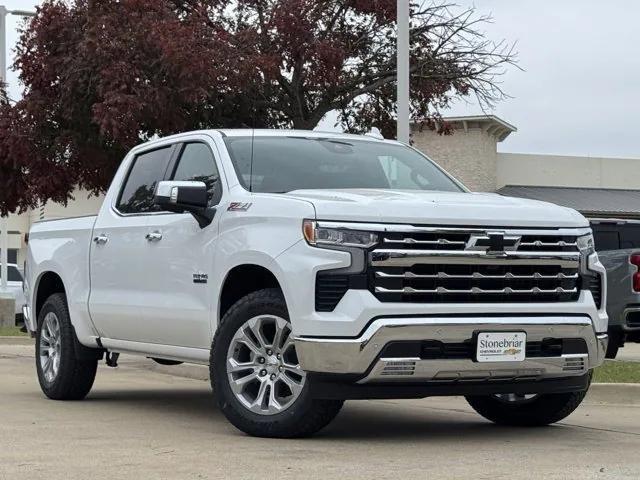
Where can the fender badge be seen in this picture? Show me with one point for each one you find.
(239, 206)
(200, 278)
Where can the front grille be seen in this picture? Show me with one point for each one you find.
(454, 265)
(435, 349)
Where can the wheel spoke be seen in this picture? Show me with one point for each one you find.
(278, 336)
(238, 384)
(256, 328)
(259, 400)
(294, 386)
(273, 401)
(250, 344)
(44, 336)
(235, 366)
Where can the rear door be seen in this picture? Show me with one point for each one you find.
(122, 291)
(179, 258)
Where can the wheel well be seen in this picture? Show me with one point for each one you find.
(243, 280)
(49, 284)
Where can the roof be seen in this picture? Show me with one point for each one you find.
(490, 123)
(247, 132)
(601, 202)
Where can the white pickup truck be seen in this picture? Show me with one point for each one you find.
(309, 268)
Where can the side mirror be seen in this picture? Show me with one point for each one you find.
(182, 196)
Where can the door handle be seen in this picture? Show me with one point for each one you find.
(100, 239)
(155, 236)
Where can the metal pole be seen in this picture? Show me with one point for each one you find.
(4, 223)
(403, 72)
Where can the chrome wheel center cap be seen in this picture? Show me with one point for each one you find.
(272, 364)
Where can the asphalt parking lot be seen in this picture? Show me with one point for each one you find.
(147, 425)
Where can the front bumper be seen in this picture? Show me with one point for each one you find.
(361, 358)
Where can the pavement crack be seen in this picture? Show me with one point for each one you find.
(599, 429)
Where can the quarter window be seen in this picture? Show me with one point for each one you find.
(198, 165)
(148, 169)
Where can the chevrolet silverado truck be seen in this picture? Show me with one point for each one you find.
(618, 245)
(306, 269)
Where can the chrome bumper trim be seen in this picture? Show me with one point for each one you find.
(358, 355)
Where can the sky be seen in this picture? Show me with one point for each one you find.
(579, 93)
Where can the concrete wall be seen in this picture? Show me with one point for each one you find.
(565, 171)
(469, 155)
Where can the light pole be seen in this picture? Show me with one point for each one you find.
(403, 71)
(4, 221)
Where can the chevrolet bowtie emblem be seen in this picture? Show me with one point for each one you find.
(493, 243)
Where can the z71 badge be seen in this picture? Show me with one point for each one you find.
(200, 278)
(239, 206)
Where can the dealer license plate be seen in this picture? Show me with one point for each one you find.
(501, 346)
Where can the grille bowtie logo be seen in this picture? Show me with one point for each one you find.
(493, 242)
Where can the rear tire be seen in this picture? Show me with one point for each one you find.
(61, 375)
(270, 370)
(616, 340)
(538, 411)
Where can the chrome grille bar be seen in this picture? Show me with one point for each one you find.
(413, 241)
(540, 243)
(473, 290)
(479, 276)
(408, 258)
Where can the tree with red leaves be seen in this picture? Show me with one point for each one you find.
(101, 76)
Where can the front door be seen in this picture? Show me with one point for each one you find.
(179, 259)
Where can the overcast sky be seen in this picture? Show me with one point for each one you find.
(580, 91)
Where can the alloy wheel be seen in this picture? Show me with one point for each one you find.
(50, 347)
(262, 366)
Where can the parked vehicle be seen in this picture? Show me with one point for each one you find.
(618, 246)
(14, 284)
(309, 268)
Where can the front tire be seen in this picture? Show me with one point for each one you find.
(255, 375)
(61, 375)
(526, 410)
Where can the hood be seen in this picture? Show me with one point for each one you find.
(437, 208)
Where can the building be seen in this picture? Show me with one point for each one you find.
(598, 187)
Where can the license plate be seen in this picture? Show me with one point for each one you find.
(501, 346)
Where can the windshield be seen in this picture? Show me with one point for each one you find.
(283, 164)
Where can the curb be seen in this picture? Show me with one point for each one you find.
(614, 393)
(16, 341)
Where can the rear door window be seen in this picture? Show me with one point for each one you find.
(148, 169)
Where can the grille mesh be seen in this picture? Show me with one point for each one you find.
(451, 265)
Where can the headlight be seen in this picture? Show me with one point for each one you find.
(586, 245)
(319, 236)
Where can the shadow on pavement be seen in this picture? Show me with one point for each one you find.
(366, 420)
